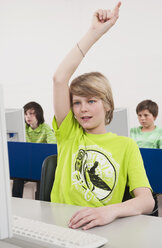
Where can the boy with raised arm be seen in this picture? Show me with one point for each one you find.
(94, 167)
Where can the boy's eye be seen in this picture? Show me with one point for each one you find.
(91, 101)
(76, 103)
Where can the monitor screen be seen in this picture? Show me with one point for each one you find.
(15, 125)
(119, 123)
(5, 194)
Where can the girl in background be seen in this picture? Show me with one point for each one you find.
(37, 131)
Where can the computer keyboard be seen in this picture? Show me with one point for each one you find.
(50, 235)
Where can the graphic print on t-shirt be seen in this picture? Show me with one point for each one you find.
(94, 173)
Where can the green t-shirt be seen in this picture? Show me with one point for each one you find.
(147, 139)
(93, 169)
(42, 134)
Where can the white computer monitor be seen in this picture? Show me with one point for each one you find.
(119, 123)
(15, 125)
(5, 194)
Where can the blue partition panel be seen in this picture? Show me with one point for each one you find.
(25, 159)
(153, 165)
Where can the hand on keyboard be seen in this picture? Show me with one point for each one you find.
(90, 217)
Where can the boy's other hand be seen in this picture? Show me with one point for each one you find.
(91, 217)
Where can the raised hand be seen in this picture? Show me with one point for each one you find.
(103, 20)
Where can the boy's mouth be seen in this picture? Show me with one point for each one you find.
(86, 117)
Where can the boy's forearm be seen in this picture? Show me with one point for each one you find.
(90, 217)
(134, 206)
(75, 56)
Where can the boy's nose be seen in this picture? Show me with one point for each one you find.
(83, 107)
(142, 117)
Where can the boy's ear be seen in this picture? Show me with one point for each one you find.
(107, 108)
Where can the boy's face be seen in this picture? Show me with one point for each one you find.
(90, 113)
(146, 119)
(30, 118)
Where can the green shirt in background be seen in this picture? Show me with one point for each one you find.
(147, 139)
(42, 134)
(94, 169)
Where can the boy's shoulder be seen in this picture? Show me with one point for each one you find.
(135, 129)
(122, 139)
(158, 130)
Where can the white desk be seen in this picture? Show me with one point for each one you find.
(131, 232)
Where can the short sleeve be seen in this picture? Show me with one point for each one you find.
(67, 129)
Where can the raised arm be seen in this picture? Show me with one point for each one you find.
(102, 21)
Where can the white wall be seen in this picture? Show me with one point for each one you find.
(36, 34)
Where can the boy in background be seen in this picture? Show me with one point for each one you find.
(147, 135)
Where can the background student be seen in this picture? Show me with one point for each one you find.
(148, 135)
(93, 166)
(37, 131)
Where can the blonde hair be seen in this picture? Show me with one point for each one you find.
(94, 84)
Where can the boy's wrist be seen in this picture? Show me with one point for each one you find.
(88, 40)
(94, 34)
